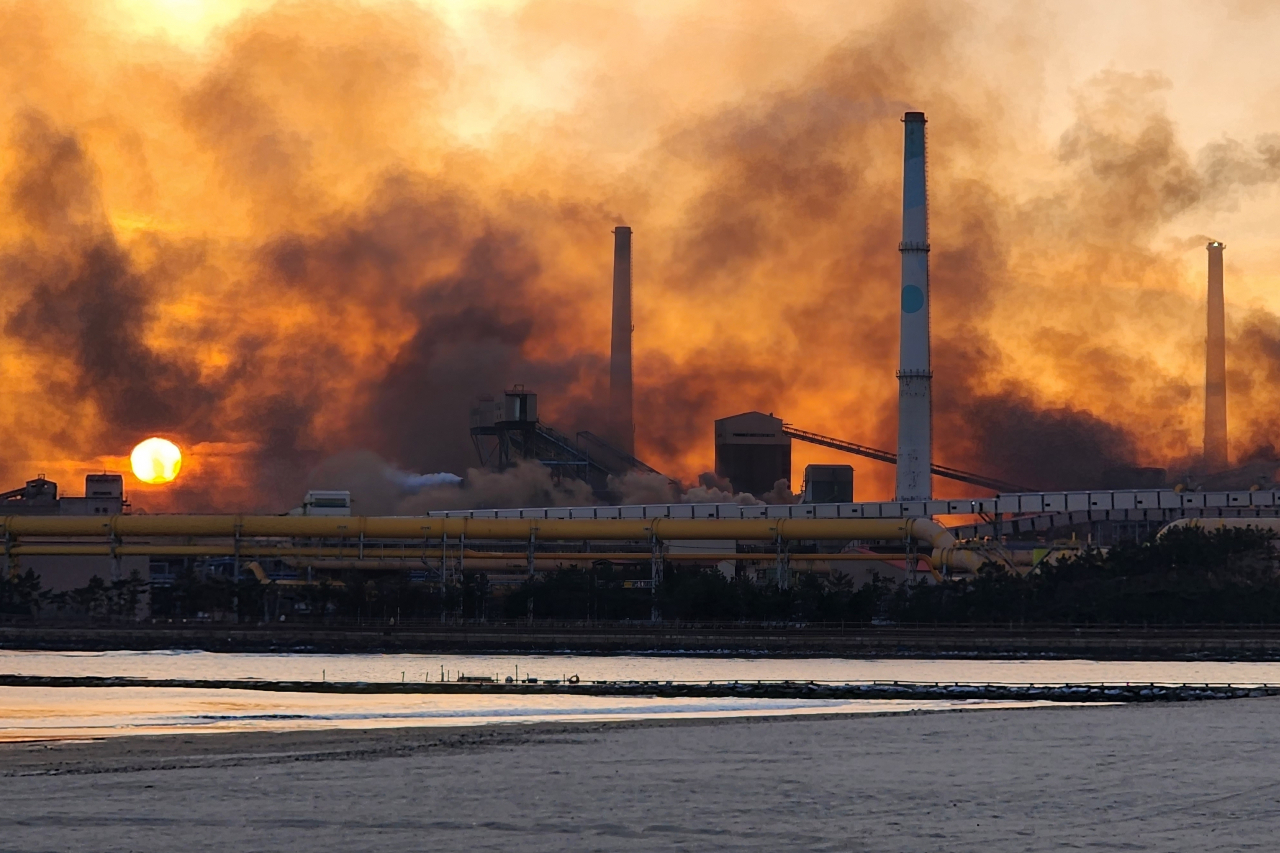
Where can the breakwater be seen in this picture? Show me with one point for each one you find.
(708, 690)
(829, 639)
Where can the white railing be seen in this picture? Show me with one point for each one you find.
(1013, 504)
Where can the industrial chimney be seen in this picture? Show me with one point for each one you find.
(622, 431)
(1215, 369)
(915, 408)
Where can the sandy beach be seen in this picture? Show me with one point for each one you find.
(1170, 777)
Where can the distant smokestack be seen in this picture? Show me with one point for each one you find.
(915, 408)
(1215, 368)
(621, 419)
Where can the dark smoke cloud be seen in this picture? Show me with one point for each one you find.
(1253, 372)
(83, 299)
(527, 484)
(379, 488)
(1061, 448)
(377, 274)
(1230, 165)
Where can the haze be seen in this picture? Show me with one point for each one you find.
(282, 231)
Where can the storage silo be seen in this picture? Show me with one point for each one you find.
(752, 452)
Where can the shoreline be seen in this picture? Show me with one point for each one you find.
(149, 751)
(1180, 777)
(984, 642)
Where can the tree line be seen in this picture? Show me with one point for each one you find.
(1187, 576)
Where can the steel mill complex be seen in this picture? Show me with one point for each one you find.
(755, 525)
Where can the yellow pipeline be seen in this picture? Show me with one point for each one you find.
(375, 554)
(925, 530)
(320, 527)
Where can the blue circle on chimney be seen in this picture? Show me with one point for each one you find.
(912, 299)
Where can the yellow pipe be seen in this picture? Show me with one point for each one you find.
(342, 527)
(258, 572)
(375, 554)
(244, 550)
(946, 552)
(491, 566)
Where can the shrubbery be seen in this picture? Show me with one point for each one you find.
(1188, 576)
(22, 595)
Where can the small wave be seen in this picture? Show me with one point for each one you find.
(221, 718)
(535, 712)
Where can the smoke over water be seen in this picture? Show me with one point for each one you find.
(330, 225)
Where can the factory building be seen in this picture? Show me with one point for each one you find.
(752, 452)
(103, 495)
(828, 484)
(506, 431)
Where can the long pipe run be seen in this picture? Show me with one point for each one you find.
(425, 528)
(946, 551)
(406, 555)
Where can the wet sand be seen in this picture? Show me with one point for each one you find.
(1171, 777)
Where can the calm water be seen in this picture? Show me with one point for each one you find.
(41, 713)
(45, 713)
(352, 667)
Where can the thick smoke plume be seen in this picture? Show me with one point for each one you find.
(379, 488)
(330, 225)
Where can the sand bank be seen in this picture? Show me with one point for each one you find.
(1196, 776)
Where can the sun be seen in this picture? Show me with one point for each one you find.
(156, 460)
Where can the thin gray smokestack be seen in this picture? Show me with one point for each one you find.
(915, 372)
(1215, 368)
(622, 430)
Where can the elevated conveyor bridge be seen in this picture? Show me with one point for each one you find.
(892, 458)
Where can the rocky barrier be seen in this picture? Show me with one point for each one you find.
(715, 689)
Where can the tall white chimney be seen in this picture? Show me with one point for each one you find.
(915, 407)
(1215, 368)
(622, 430)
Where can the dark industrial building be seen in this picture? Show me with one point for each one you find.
(752, 452)
(828, 484)
(103, 495)
(506, 431)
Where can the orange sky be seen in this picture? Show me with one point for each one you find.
(277, 231)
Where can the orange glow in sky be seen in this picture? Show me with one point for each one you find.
(288, 230)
